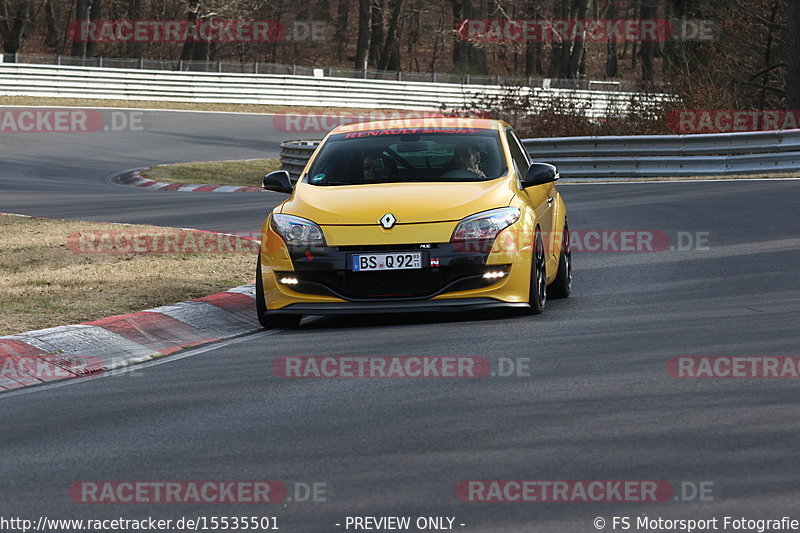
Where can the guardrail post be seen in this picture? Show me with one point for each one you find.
(434, 76)
(141, 63)
(294, 70)
(399, 76)
(256, 68)
(58, 60)
(219, 66)
(100, 61)
(180, 65)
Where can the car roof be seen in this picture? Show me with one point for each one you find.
(423, 122)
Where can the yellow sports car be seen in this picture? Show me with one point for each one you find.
(429, 214)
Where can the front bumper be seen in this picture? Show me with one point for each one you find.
(452, 279)
(446, 268)
(460, 305)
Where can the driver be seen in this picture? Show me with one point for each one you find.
(376, 166)
(468, 157)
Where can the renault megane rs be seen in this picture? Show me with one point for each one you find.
(414, 215)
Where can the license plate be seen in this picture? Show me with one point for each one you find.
(391, 261)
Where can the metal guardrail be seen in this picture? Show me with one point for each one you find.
(295, 155)
(18, 79)
(641, 155)
(259, 67)
(671, 155)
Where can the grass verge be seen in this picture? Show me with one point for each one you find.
(48, 278)
(244, 173)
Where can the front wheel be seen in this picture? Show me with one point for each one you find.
(562, 285)
(538, 287)
(270, 320)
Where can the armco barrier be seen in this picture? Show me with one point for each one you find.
(641, 155)
(20, 79)
(295, 155)
(671, 155)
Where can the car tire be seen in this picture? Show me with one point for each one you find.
(562, 285)
(271, 320)
(537, 296)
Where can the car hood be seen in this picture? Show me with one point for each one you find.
(410, 203)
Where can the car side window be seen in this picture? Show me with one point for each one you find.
(517, 154)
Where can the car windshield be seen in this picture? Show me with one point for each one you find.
(409, 155)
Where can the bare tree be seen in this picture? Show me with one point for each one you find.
(793, 56)
(612, 62)
(13, 21)
(363, 44)
(468, 57)
(649, 47)
(390, 56)
(82, 8)
(342, 12)
(376, 32)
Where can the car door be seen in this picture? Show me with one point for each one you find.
(541, 197)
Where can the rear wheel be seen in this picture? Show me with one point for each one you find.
(562, 285)
(270, 320)
(538, 290)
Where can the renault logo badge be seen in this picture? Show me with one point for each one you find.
(388, 221)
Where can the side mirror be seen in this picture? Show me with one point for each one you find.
(277, 181)
(540, 173)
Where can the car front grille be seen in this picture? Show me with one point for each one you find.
(393, 284)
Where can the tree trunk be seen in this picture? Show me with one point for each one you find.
(612, 62)
(533, 49)
(191, 18)
(649, 48)
(793, 56)
(51, 31)
(362, 46)
(82, 8)
(390, 57)
(13, 25)
(94, 15)
(579, 46)
(376, 32)
(466, 56)
(341, 27)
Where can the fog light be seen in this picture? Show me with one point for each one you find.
(494, 274)
(289, 281)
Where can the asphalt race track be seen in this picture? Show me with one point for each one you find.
(598, 403)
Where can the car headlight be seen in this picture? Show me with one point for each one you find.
(297, 231)
(485, 225)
